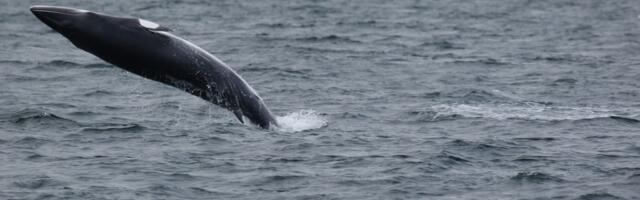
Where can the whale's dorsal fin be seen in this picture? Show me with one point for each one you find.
(238, 114)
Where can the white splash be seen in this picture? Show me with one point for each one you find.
(531, 111)
(300, 121)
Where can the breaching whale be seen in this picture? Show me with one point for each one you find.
(151, 51)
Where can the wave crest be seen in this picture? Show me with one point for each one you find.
(529, 112)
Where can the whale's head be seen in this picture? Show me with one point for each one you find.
(92, 31)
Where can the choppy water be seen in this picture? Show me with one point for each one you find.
(484, 99)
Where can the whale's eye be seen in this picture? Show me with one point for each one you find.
(148, 24)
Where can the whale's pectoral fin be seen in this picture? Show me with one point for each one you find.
(238, 114)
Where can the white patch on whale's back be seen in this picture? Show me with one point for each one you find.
(148, 24)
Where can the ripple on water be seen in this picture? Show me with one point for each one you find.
(329, 38)
(532, 111)
(27, 116)
(111, 127)
(98, 93)
(451, 159)
(281, 182)
(212, 140)
(533, 158)
(634, 177)
(625, 119)
(30, 142)
(62, 63)
(36, 182)
(486, 148)
(182, 192)
(599, 196)
(430, 116)
(536, 139)
(354, 115)
(483, 61)
(15, 62)
(369, 181)
(297, 146)
(53, 66)
(442, 44)
(536, 178)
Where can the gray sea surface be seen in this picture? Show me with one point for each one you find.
(380, 99)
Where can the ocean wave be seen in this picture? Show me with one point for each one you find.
(36, 182)
(482, 146)
(274, 69)
(98, 93)
(442, 44)
(532, 158)
(329, 38)
(482, 61)
(325, 50)
(432, 116)
(541, 139)
(529, 112)
(598, 196)
(284, 25)
(15, 62)
(354, 115)
(369, 181)
(130, 128)
(535, 177)
(281, 182)
(212, 140)
(33, 115)
(62, 63)
(449, 159)
(57, 105)
(30, 142)
(19, 77)
(480, 95)
(54, 65)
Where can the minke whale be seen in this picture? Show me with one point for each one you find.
(147, 49)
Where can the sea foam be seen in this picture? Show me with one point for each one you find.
(300, 121)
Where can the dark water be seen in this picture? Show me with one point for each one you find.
(500, 99)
